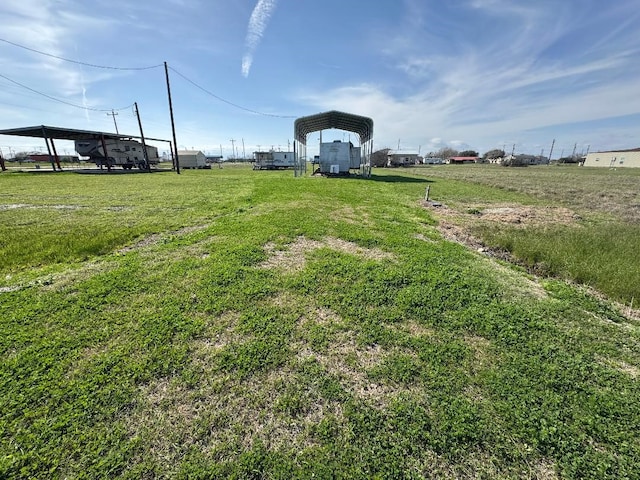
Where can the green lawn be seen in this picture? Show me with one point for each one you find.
(239, 324)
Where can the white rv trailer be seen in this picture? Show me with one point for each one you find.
(337, 158)
(120, 152)
(273, 160)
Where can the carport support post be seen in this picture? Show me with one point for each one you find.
(144, 145)
(46, 140)
(55, 155)
(106, 154)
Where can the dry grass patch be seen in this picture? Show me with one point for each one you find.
(528, 216)
(223, 417)
(632, 370)
(157, 238)
(415, 329)
(219, 333)
(60, 280)
(352, 216)
(292, 256)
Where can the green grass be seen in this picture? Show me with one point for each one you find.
(594, 250)
(240, 324)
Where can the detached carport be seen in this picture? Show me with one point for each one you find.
(59, 133)
(361, 126)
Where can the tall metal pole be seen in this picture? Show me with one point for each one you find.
(244, 154)
(551, 151)
(233, 148)
(113, 114)
(173, 125)
(144, 145)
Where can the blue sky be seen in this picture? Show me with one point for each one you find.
(477, 74)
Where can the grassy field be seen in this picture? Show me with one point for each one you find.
(239, 324)
(581, 224)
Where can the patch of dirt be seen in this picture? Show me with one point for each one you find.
(292, 257)
(13, 288)
(14, 206)
(156, 238)
(526, 216)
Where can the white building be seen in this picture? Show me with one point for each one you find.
(614, 158)
(402, 159)
(192, 159)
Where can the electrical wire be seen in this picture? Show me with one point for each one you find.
(76, 61)
(227, 101)
(64, 101)
(127, 68)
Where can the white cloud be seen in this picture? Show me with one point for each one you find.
(257, 25)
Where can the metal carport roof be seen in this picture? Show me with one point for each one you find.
(362, 126)
(59, 133)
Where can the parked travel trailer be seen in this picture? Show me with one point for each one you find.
(337, 158)
(124, 153)
(273, 160)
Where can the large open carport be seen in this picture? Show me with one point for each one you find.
(361, 126)
(58, 133)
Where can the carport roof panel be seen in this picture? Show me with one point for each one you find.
(59, 133)
(363, 126)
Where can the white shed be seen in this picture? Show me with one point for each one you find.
(192, 159)
(614, 158)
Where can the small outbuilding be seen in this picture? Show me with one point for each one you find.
(614, 158)
(192, 159)
(402, 159)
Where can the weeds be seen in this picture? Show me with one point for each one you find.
(377, 355)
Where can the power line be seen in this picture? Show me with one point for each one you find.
(63, 101)
(129, 68)
(228, 102)
(76, 61)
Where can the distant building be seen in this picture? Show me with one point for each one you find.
(432, 161)
(402, 159)
(192, 159)
(461, 160)
(614, 158)
(45, 158)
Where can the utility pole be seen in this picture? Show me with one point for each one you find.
(233, 148)
(551, 151)
(573, 155)
(113, 114)
(244, 154)
(173, 125)
(144, 145)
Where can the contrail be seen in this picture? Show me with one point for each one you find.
(85, 103)
(257, 25)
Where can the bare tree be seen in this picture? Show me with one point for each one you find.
(446, 152)
(468, 153)
(379, 157)
(493, 154)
